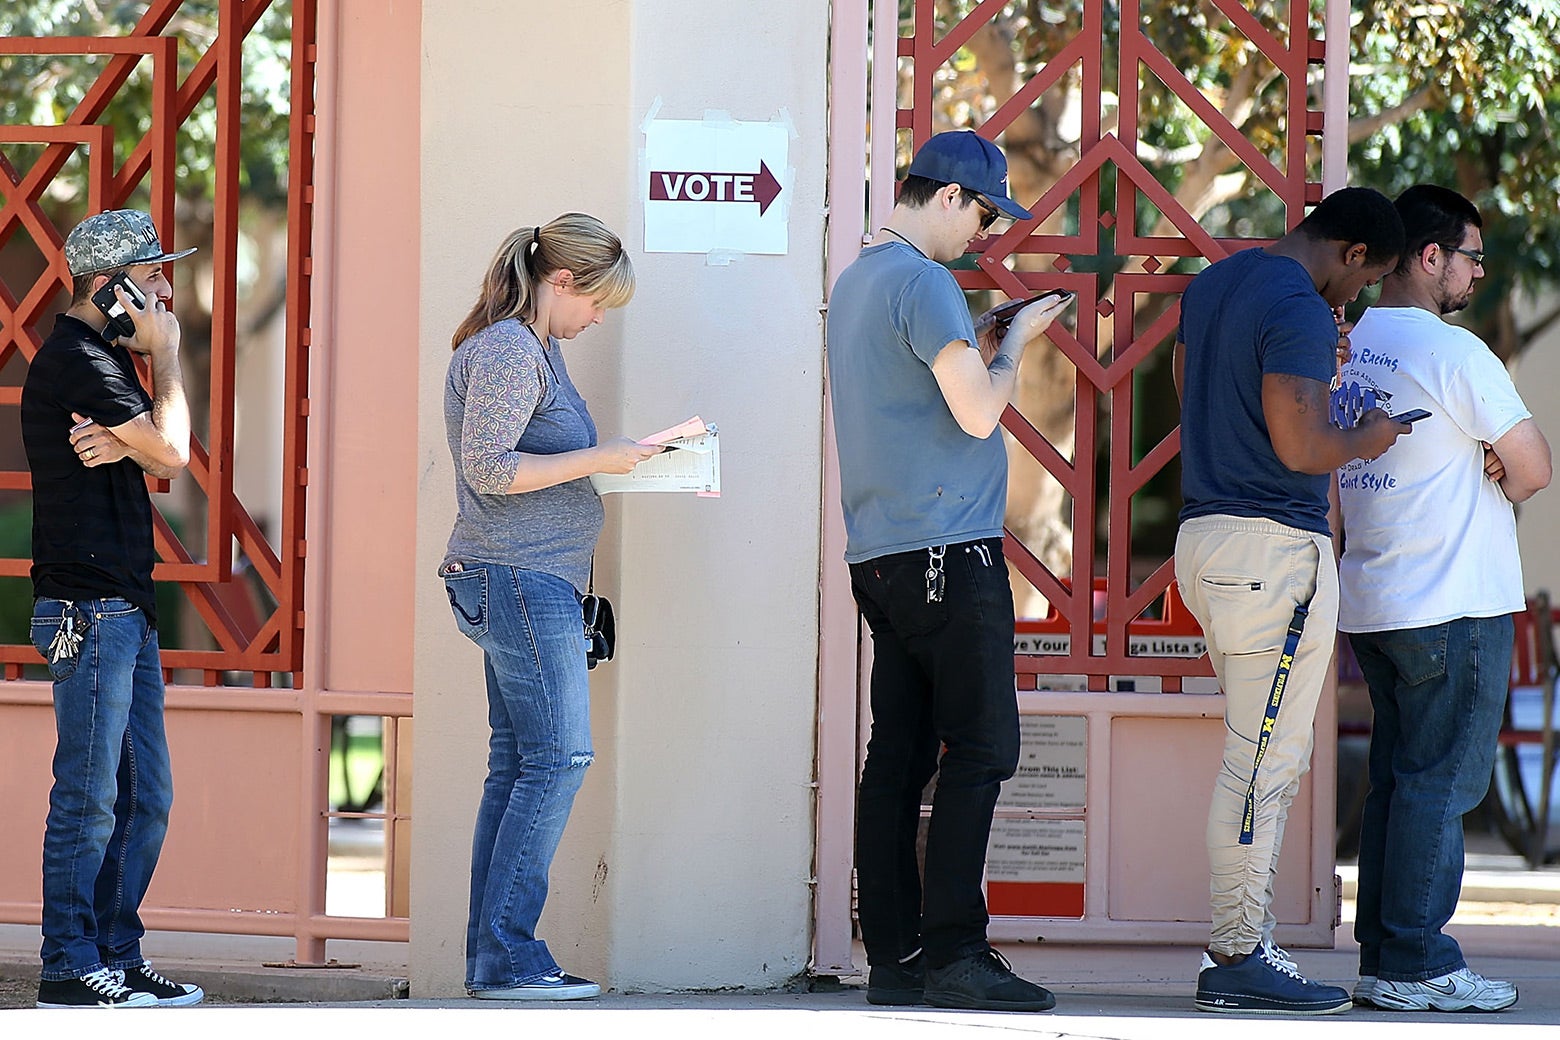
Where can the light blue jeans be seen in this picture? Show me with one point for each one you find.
(1438, 695)
(113, 785)
(529, 627)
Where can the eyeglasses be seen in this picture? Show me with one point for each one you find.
(988, 212)
(1476, 255)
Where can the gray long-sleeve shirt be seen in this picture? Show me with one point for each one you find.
(507, 394)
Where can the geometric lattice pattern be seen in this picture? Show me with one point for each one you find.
(1109, 187)
(255, 621)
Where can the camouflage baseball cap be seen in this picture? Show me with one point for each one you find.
(117, 238)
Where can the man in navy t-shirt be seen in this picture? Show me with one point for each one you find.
(1257, 349)
(92, 433)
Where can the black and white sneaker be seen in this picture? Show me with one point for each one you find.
(556, 985)
(166, 993)
(102, 988)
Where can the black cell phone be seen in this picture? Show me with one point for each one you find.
(1003, 316)
(1411, 417)
(119, 321)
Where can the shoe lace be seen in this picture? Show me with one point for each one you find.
(1265, 951)
(1277, 955)
(995, 963)
(106, 982)
(152, 976)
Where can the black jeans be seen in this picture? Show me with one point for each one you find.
(942, 677)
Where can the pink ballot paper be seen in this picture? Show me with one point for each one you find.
(690, 462)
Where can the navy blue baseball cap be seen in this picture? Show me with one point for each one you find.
(967, 159)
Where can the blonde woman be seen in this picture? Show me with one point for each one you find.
(524, 445)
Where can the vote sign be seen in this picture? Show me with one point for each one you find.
(716, 186)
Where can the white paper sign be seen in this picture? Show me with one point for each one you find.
(1052, 764)
(1036, 850)
(716, 186)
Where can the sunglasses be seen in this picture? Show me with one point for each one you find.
(1476, 255)
(988, 212)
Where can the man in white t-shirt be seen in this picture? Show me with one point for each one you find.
(1429, 580)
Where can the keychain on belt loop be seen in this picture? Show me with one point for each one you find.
(935, 579)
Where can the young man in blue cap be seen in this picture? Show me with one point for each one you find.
(923, 482)
(92, 433)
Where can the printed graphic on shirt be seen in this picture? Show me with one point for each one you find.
(1348, 404)
(1352, 400)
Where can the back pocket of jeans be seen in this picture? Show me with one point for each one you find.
(1418, 654)
(468, 593)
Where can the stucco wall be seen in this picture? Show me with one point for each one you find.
(688, 857)
(1537, 375)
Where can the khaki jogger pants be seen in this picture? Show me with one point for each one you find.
(1242, 578)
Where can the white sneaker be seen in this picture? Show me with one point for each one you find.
(1460, 990)
(1365, 991)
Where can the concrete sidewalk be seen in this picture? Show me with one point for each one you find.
(1508, 924)
(1119, 993)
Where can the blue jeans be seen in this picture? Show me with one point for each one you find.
(1438, 695)
(113, 785)
(942, 680)
(532, 636)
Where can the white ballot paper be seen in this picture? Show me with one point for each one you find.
(690, 462)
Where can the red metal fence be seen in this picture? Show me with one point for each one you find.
(257, 630)
(1109, 187)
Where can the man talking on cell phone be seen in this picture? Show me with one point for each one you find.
(1429, 580)
(91, 432)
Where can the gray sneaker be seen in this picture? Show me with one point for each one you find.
(1365, 991)
(1460, 990)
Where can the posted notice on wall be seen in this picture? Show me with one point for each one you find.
(1052, 764)
(1036, 850)
(716, 186)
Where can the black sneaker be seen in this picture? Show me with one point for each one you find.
(101, 988)
(168, 994)
(984, 982)
(898, 984)
(1256, 986)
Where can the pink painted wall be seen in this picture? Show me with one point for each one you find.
(366, 317)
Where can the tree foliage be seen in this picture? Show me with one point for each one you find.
(46, 89)
(1459, 94)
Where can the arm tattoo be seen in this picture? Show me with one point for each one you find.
(1310, 395)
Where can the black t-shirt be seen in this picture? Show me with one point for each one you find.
(92, 527)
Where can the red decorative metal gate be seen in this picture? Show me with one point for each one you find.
(1119, 119)
(247, 637)
(252, 732)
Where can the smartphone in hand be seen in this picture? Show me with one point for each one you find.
(119, 321)
(1411, 417)
(1002, 317)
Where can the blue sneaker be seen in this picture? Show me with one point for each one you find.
(1255, 985)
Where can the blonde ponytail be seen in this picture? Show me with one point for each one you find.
(576, 242)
